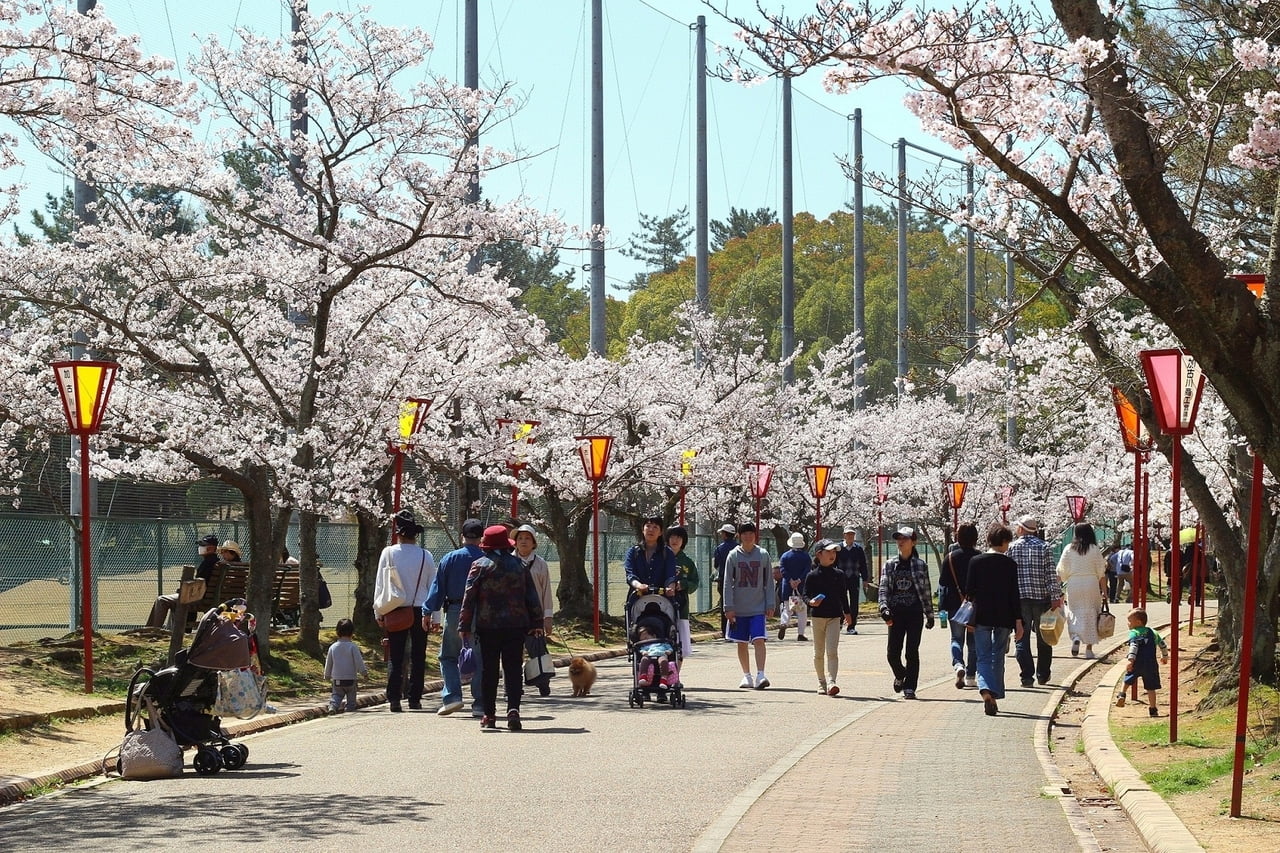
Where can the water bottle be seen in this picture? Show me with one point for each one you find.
(942, 618)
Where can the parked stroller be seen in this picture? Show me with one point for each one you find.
(653, 650)
(180, 698)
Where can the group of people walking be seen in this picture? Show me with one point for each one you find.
(495, 590)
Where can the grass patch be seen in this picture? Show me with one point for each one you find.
(1186, 776)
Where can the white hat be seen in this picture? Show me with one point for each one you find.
(1029, 523)
(904, 532)
(796, 540)
(730, 529)
(525, 528)
(849, 528)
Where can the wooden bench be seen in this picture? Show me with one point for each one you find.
(231, 580)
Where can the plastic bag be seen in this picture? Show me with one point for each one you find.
(963, 614)
(1052, 625)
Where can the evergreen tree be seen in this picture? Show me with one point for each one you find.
(739, 223)
(661, 243)
(545, 289)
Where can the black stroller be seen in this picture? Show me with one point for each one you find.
(659, 612)
(180, 698)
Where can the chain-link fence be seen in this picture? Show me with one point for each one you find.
(133, 561)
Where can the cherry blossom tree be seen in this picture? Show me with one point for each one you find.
(1098, 168)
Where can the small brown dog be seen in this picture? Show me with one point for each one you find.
(582, 674)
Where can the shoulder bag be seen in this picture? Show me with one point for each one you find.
(401, 619)
(964, 613)
(150, 754)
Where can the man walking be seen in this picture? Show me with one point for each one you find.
(446, 594)
(728, 541)
(1038, 590)
(851, 560)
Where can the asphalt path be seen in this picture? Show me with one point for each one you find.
(585, 775)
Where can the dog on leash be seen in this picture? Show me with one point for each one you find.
(582, 674)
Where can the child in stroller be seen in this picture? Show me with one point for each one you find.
(654, 648)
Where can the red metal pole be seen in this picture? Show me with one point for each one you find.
(1136, 544)
(1246, 636)
(1202, 558)
(1146, 536)
(595, 559)
(86, 575)
(880, 545)
(1175, 587)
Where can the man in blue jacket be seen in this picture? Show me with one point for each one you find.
(446, 594)
(728, 541)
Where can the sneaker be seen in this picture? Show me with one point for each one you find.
(449, 708)
(487, 722)
(762, 681)
(822, 687)
(959, 678)
(1028, 682)
(833, 690)
(1120, 701)
(1075, 648)
(802, 639)
(908, 694)
(513, 721)
(1153, 712)
(782, 632)
(851, 630)
(746, 682)
(1042, 679)
(897, 685)
(970, 681)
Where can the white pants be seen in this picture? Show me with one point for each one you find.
(686, 638)
(794, 606)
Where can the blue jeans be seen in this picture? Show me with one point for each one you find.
(990, 643)
(450, 645)
(961, 636)
(1032, 610)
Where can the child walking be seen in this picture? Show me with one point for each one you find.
(1142, 660)
(343, 666)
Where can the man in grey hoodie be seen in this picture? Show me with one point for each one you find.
(749, 599)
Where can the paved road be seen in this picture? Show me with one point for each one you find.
(781, 768)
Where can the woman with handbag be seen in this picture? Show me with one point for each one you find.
(501, 607)
(952, 593)
(405, 572)
(526, 541)
(1083, 572)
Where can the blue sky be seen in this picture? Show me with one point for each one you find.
(542, 47)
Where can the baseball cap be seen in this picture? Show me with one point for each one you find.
(904, 532)
(472, 528)
(729, 528)
(825, 545)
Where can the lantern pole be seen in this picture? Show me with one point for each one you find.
(86, 549)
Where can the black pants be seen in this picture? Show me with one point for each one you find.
(502, 647)
(853, 600)
(416, 639)
(906, 629)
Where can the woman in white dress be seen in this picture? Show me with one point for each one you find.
(1083, 572)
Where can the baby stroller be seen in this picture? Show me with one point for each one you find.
(180, 698)
(656, 610)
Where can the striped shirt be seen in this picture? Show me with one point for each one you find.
(1037, 579)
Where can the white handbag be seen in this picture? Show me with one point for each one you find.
(539, 666)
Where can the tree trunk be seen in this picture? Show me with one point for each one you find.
(262, 562)
(568, 524)
(371, 539)
(309, 584)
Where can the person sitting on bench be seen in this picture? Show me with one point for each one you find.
(164, 604)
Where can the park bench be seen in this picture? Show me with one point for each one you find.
(231, 580)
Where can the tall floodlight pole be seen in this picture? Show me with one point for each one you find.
(298, 124)
(1010, 338)
(1174, 382)
(859, 271)
(701, 251)
(597, 179)
(970, 274)
(788, 239)
(902, 266)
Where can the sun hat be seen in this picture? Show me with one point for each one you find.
(231, 545)
(1029, 523)
(525, 528)
(849, 528)
(904, 532)
(495, 538)
(728, 528)
(405, 524)
(796, 540)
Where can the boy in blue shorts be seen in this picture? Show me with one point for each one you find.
(1143, 643)
(749, 599)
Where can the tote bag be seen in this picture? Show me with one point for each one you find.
(1106, 622)
(1051, 625)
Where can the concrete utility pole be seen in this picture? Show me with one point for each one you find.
(702, 288)
(1010, 338)
(788, 240)
(597, 179)
(298, 124)
(902, 266)
(859, 271)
